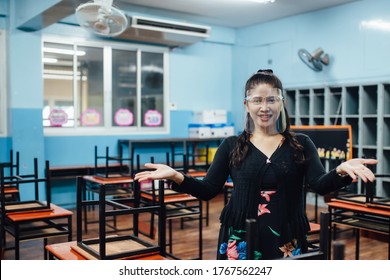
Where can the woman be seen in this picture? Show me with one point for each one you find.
(269, 166)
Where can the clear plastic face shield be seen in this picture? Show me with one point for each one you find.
(265, 106)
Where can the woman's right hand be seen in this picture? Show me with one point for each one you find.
(161, 171)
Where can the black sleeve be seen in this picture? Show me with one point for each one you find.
(317, 178)
(216, 176)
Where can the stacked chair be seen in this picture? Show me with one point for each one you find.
(30, 219)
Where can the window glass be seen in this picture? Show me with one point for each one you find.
(152, 88)
(90, 87)
(3, 109)
(58, 85)
(124, 88)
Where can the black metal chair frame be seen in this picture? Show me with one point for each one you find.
(43, 226)
(184, 209)
(119, 207)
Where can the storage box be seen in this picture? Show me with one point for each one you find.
(199, 131)
(217, 130)
(228, 129)
(210, 117)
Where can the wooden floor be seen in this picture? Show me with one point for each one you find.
(185, 240)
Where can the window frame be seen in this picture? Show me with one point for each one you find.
(108, 128)
(3, 84)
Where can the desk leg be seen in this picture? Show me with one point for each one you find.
(357, 248)
(330, 230)
(388, 243)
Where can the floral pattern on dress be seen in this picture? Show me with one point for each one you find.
(262, 209)
(235, 248)
(290, 249)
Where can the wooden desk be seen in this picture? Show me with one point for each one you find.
(360, 217)
(64, 251)
(38, 224)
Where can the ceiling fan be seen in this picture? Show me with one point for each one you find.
(314, 60)
(100, 17)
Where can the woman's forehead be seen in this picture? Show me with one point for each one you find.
(263, 89)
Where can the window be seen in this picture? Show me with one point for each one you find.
(95, 87)
(3, 86)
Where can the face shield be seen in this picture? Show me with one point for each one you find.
(265, 106)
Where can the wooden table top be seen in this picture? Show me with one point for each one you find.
(64, 251)
(360, 208)
(108, 181)
(54, 212)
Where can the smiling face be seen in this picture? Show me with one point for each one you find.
(264, 104)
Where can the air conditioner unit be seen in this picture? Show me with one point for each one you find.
(164, 32)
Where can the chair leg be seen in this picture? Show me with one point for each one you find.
(44, 249)
(170, 236)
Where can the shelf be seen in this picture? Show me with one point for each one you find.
(362, 106)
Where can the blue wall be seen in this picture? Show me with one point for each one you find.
(207, 75)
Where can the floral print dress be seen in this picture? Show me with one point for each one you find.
(267, 244)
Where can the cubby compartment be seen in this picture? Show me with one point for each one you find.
(304, 102)
(335, 120)
(386, 97)
(369, 100)
(386, 161)
(370, 153)
(290, 102)
(318, 121)
(369, 131)
(354, 122)
(305, 120)
(352, 100)
(386, 132)
(335, 101)
(318, 102)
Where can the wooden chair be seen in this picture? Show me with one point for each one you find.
(117, 246)
(32, 219)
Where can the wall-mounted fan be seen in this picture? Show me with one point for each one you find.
(314, 60)
(100, 17)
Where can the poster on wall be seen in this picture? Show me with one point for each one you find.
(123, 117)
(152, 118)
(90, 117)
(58, 117)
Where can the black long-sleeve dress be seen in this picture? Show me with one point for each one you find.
(270, 190)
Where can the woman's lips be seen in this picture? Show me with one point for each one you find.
(265, 117)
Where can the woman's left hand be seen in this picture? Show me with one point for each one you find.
(357, 168)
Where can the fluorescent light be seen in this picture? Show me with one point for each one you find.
(50, 60)
(63, 51)
(263, 1)
(377, 24)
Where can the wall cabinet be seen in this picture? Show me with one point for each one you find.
(363, 106)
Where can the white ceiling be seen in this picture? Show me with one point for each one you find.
(233, 13)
